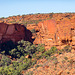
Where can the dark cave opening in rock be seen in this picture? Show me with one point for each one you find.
(70, 40)
(72, 28)
(37, 31)
(65, 41)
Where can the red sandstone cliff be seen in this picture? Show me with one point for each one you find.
(14, 32)
(53, 34)
(53, 30)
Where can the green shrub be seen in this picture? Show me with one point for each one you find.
(14, 53)
(67, 48)
(40, 48)
(5, 61)
(12, 21)
(33, 31)
(50, 52)
(34, 62)
(16, 67)
(60, 52)
(65, 58)
(29, 73)
(38, 66)
(3, 52)
(23, 48)
(2, 17)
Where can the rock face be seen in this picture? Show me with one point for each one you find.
(58, 31)
(52, 33)
(47, 33)
(14, 32)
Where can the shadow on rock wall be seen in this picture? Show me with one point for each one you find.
(11, 34)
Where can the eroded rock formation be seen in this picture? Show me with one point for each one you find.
(14, 32)
(59, 34)
(54, 29)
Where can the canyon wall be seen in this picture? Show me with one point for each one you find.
(14, 32)
(59, 31)
(53, 34)
(50, 29)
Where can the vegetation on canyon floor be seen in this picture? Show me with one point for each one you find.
(15, 59)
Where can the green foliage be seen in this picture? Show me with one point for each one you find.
(29, 73)
(16, 67)
(38, 66)
(51, 58)
(65, 58)
(34, 62)
(30, 21)
(67, 48)
(60, 51)
(50, 52)
(40, 48)
(24, 23)
(2, 17)
(8, 71)
(14, 53)
(33, 31)
(27, 47)
(5, 61)
(12, 21)
(45, 54)
(23, 48)
(3, 52)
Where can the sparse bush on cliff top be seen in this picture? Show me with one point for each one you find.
(2, 17)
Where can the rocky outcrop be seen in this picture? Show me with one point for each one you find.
(52, 33)
(25, 19)
(14, 32)
(46, 33)
(54, 29)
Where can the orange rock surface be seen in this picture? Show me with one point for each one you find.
(51, 29)
(53, 34)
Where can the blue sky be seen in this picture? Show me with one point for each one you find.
(20, 7)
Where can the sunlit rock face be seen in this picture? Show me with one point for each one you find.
(14, 32)
(47, 33)
(52, 33)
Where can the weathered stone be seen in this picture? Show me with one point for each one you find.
(53, 34)
(59, 73)
(27, 56)
(14, 32)
(58, 31)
